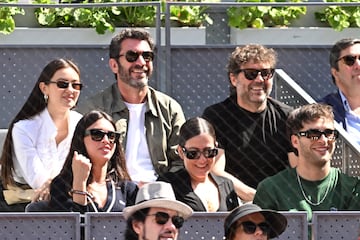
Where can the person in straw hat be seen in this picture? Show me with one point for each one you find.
(156, 213)
(249, 222)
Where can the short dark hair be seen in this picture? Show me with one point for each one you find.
(336, 51)
(139, 216)
(132, 33)
(306, 114)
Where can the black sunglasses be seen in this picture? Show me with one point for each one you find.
(162, 217)
(349, 59)
(132, 56)
(64, 84)
(250, 227)
(251, 74)
(315, 134)
(98, 134)
(195, 154)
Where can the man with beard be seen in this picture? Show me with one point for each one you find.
(156, 214)
(148, 120)
(250, 125)
(313, 185)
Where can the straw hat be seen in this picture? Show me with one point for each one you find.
(157, 194)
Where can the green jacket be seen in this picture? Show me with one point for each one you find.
(163, 119)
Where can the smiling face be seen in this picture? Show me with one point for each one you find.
(61, 98)
(150, 230)
(315, 152)
(198, 169)
(252, 94)
(100, 152)
(135, 74)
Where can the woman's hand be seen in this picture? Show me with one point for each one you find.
(81, 167)
(42, 193)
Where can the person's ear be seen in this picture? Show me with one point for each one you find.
(137, 226)
(43, 88)
(180, 152)
(113, 64)
(334, 73)
(294, 141)
(233, 79)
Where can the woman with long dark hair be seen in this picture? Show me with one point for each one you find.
(39, 136)
(94, 177)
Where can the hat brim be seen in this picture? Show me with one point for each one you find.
(278, 222)
(184, 210)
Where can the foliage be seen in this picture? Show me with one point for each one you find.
(107, 18)
(263, 16)
(340, 17)
(194, 16)
(7, 22)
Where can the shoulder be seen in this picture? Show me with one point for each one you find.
(332, 99)
(283, 176)
(218, 110)
(279, 106)
(100, 100)
(161, 97)
(75, 116)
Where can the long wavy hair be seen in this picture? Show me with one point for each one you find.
(116, 170)
(34, 105)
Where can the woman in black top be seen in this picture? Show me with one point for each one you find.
(94, 177)
(196, 185)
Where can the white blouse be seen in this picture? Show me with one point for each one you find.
(36, 156)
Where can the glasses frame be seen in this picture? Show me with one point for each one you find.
(250, 227)
(64, 84)
(162, 218)
(327, 133)
(349, 60)
(98, 135)
(207, 153)
(266, 73)
(132, 56)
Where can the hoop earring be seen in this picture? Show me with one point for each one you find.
(46, 97)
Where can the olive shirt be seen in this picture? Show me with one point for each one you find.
(283, 192)
(163, 119)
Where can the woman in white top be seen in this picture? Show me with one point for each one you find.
(39, 137)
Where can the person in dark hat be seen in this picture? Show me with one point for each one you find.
(249, 222)
(156, 213)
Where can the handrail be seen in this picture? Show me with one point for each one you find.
(347, 146)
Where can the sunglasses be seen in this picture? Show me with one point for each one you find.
(195, 154)
(98, 134)
(315, 134)
(63, 84)
(162, 217)
(132, 56)
(250, 227)
(349, 59)
(251, 74)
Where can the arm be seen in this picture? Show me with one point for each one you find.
(27, 158)
(245, 192)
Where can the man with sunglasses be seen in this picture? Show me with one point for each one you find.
(148, 120)
(156, 213)
(250, 222)
(313, 185)
(345, 73)
(250, 126)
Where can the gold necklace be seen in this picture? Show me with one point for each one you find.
(307, 199)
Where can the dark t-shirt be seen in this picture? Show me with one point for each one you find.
(256, 145)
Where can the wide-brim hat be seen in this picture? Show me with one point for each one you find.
(277, 221)
(157, 194)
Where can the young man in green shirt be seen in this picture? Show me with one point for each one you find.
(313, 185)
